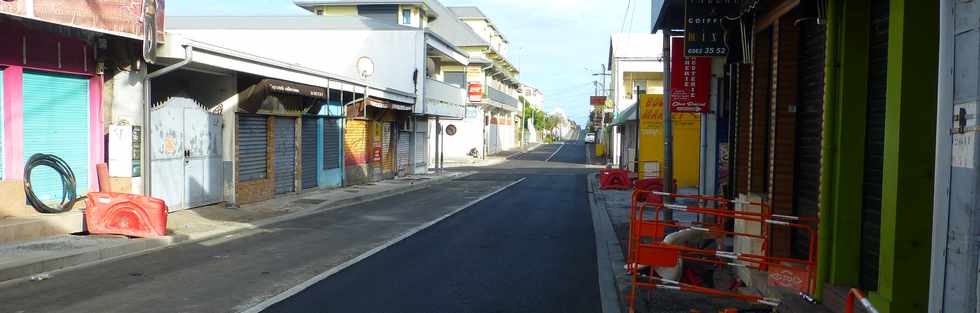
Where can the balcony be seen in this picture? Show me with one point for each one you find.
(503, 100)
(444, 100)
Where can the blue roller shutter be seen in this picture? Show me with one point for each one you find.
(331, 143)
(310, 148)
(56, 117)
(253, 147)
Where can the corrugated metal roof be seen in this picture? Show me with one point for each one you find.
(451, 28)
(280, 22)
(468, 12)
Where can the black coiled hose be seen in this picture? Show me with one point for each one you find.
(69, 195)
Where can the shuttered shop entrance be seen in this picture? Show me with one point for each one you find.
(331, 143)
(404, 153)
(284, 139)
(874, 145)
(56, 121)
(421, 146)
(253, 147)
(310, 147)
(809, 130)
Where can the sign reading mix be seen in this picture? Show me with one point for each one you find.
(703, 26)
(687, 142)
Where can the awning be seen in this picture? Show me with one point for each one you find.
(627, 115)
(252, 99)
(390, 105)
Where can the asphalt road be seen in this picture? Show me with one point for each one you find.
(529, 248)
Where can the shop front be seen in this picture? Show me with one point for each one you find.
(271, 130)
(372, 140)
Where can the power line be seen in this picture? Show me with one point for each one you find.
(625, 15)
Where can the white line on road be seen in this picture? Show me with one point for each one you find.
(556, 152)
(310, 282)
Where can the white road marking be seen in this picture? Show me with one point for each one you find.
(556, 152)
(310, 282)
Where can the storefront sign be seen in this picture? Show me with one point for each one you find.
(123, 17)
(690, 78)
(703, 26)
(687, 142)
(597, 101)
(475, 91)
(377, 154)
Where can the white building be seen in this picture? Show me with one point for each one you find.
(635, 63)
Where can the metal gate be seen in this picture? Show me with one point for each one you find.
(421, 145)
(56, 121)
(284, 158)
(874, 146)
(404, 153)
(253, 147)
(186, 154)
(331, 143)
(310, 148)
(809, 130)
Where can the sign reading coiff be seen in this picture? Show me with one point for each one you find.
(703, 29)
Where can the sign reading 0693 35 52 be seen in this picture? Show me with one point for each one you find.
(703, 29)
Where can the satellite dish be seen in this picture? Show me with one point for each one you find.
(365, 67)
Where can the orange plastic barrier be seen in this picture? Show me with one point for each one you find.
(656, 246)
(855, 294)
(614, 179)
(125, 214)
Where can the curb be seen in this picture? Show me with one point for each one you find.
(609, 255)
(22, 270)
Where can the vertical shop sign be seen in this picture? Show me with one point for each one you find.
(690, 78)
(703, 29)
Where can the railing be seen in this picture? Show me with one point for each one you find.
(504, 99)
(443, 99)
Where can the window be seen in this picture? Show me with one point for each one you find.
(642, 85)
(320, 12)
(407, 16)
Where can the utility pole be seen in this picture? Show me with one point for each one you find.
(668, 173)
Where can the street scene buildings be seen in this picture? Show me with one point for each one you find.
(737, 155)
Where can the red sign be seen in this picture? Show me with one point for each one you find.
(377, 154)
(476, 92)
(793, 278)
(597, 101)
(690, 79)
(122, 17)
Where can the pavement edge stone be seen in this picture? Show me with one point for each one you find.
(609, 255)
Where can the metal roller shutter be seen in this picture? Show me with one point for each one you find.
(56, 121)
(809, 130)
(404, 150)
(331, 143)
(1, 124)
(284, 137)
(310, 148)
(874, 147)
(421, 143)
(253, 147)
(356, 143)
(761, 94)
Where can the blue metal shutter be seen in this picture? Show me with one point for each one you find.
(284, 138)
(253, 147)
(56, 116)
(331, 143)
(310, 148)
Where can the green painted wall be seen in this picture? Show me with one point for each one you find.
(909, 157)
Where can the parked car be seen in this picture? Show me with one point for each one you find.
(590, 138)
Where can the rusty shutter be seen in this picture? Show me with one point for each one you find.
(809, 129)
(743, 129)
(874, 146)
(782, 134)
(404, 153)
(761, 84)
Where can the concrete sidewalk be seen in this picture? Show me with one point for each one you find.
(491, 160)
(36, 259)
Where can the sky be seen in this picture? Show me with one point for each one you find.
(557, 44)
